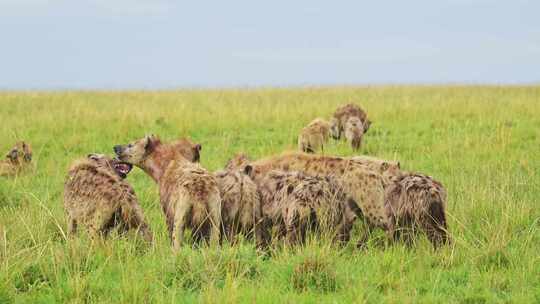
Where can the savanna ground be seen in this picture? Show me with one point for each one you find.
(483, 143)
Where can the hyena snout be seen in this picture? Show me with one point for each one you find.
(118, 149)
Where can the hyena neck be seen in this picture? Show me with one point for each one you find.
(159, 160)
(154, 167)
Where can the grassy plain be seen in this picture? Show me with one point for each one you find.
(483, 143)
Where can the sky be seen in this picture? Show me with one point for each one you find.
(165, 44)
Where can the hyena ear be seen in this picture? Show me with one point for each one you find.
(248, 170)
(27, 152)
(398, 165)
(197, 155)
(150, 142)
(367, 124)
(93, 156)
(12, 154)
(385, 166)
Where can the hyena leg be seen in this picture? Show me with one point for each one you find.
(72, 227)
(260, 241)
(179, 223)
(291, 227)
(133, 216)
(214, 207)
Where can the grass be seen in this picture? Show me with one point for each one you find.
(481, 142)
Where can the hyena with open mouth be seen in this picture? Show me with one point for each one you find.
(97, 197)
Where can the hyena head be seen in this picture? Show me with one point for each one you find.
(354, 130)
(21, 153)
(138, 151)
(334, 128)
(121, 168)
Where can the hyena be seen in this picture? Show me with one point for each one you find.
(294, 203)
(189, 194)
(97, 197)
(241, 205)
(414, 202)
(314, 136)
(16, 160)
(342, 114)
(364, 186)
(354, 131)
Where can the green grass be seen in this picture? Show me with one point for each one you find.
(483, 143)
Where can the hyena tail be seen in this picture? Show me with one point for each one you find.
(436, 226)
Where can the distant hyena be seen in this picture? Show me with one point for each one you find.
(97, 197)
(241, 205)
(17, 159)
(314, 136)
(364, 186)
(342, 114)
(415, 202)
(354, 131)
(294, 203)
(189, 194)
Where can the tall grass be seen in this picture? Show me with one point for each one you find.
(483, 143)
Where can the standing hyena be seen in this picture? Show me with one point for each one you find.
(314, 136)
(363, 185)
(342, 114)
(17, 159)
(189, 194)
(294, 203)
(240, 205)
(354, 131)
(97, 197)
(414, 202)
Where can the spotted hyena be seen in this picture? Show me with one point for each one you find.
(414, 202)
(354, 131)
(189, 194)
(97, 197)
(342, 114)
(240, 205)
(314, 136)
(294, 203)
(364, 186)
(16, 160)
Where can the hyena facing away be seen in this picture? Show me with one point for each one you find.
(414, 202)
(314, 136)
(241, 205)
(294, 203)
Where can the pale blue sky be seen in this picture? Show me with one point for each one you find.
(122, 44)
